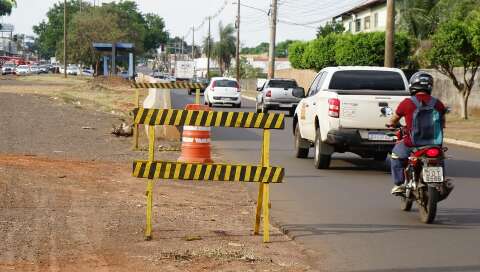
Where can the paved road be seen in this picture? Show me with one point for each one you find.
(346, 213)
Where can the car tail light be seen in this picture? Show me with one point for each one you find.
(334, 107)
(269, 93)
(433, 152)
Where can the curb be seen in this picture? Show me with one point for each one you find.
(461, 143)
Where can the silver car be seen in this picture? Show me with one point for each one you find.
(278, 94)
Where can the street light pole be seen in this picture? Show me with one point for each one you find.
(65, 38)
(208, 50)
(273, 30)
(237, 55)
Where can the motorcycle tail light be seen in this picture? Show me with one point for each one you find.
(433, 152)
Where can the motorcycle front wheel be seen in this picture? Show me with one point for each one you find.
(429, 210)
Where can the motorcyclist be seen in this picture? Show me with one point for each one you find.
(420, 87)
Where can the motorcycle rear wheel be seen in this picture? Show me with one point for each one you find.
(406, 204)
(429, 211)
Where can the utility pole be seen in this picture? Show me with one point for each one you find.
(237, 55)
(208, 50)
(390, 35)
(193, 42)
(65, 38)
(273, 32)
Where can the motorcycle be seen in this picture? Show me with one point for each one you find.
(425, 181)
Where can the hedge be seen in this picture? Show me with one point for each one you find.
(363, 49)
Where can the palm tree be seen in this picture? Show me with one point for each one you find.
(224, 49)
(418, 17)
(6, 6)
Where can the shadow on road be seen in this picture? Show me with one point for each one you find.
(459, 217)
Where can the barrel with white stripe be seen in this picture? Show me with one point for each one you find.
(196, 141)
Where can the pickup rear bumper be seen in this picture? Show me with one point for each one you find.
(281, 105)
(350, 140)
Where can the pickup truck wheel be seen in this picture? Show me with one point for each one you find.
(301, 151)
(321, 161)
(291, 112)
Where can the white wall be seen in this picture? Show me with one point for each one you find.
(381, 10)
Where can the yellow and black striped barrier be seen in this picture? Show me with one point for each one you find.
(207, 172)
(263, 173)
(169, 85)
(159, 117)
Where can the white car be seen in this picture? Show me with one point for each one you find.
(22, 70)
(35, 69)
(8, 68)
(222, 90)
(72, 69)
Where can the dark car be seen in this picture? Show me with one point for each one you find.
(201, 80)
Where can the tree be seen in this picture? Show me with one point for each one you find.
(328, 28)
(6, 7)
(50, 31)
(246, 70)
(281, 49)
(368, 49)
(296, 54)
(455, 44)
(257, 50)
(88, 27)
(418, 17)
(320, 53)
(205, 45)
(155, 32)
(225, 48)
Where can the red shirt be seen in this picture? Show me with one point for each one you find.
(407, 108)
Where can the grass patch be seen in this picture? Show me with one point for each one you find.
(464, 130)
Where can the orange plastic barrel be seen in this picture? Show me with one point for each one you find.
(196, 140)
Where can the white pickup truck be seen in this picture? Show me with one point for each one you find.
(345, 110)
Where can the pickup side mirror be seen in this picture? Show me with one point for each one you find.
(259, 89)
(298, 92)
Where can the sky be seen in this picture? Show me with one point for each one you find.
(181, 15)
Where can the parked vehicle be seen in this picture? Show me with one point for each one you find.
(44, 69)
(201, 80)
(73, 69)
(35, 69)
(425, 181)
(184, 69)
(8, 68)
(222, 90)
(345, 110)
(22, 70)
(278, 94)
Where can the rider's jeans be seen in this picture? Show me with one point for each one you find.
(400, 154)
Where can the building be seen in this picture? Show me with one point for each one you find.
(369, 16)
(261, 62)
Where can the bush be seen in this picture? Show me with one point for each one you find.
(295, 54)
(320, 53)
(368, 49)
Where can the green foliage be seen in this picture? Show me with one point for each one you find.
(329, 28)
(418, 17)
(262, 48)
(281, 50)
(320, 52)
(225, 48)
(455, 44)
(246, 70)
(145, 31)
(369, 49)
(6, 7)
(86, 28)
(296, 52)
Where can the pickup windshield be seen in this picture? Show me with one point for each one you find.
(282, 84)
(367, 80)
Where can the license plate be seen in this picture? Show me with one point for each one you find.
(379, 136)
(432, 174)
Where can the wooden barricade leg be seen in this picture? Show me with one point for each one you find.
(263, 192)
(136, 126)
(149, 193)
(151, 158)
(197, 96)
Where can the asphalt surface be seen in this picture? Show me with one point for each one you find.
(346, 214)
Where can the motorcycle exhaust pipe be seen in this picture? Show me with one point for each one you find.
(446, 189)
